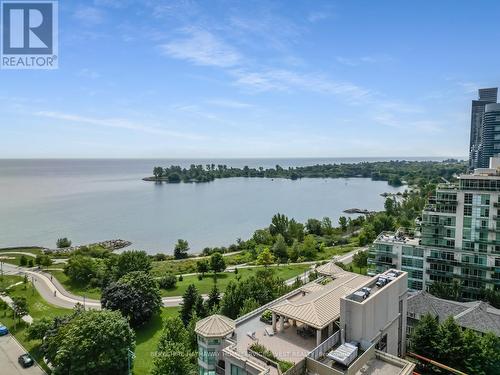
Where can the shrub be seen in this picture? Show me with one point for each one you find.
(168, 281)
(181, 278)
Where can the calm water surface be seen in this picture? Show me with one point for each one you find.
(96, 200)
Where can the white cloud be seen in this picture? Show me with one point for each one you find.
(88, 73)
(89, 15)
(229, 103)
(357, 61)
(202, 48)
(116, 123)
(286, 80)
(318, 16)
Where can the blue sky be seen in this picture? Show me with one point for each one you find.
(181, 78)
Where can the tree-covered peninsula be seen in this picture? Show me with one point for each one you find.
(394, 172)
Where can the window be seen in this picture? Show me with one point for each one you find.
(235, 370)
(468, 198)
(467, 211)
(203, 371)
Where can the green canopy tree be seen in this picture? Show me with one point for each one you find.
(213, 298)
(131, 261)
(450, 343)
(136, 295)
(81, 269)
(90, 342)
(202, 267)
(217, 263)
(280, 249)
(189, 300)
(425, 337)
(265, 258)
(181, 249)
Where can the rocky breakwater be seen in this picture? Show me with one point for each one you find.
(110, 245)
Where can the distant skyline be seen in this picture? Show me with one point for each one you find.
(251, 79)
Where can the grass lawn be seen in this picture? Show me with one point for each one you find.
(10, 258)
(38, 308)
(75, 288)
(329, 252)
(32, 250)
(178, 267)
(147, 338)
(205, 285)
(353, 268)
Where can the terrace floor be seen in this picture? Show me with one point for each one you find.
(286, 345)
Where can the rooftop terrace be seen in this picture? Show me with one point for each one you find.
(399, 236)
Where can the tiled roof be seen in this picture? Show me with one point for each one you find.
(329, 269)
(318, 308)
(478, 316)
(215, 326)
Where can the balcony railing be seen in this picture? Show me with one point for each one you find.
(439, 272)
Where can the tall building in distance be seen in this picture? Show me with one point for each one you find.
(459, 236)
(491, 134)
(476, 158)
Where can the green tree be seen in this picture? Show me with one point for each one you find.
(490, 344)
(158, 172)
(135, 295)
(450, 344)
(20, 307)
(131, 261)
(279, 225)
(202, 267)
(313, 226)
(360, 259)
(425, 337)
(173, 330)
(62, 243)
(294, 252)
(38, 329)
(326, 226)
(172, 358)
(213, 298)
(343, 223)
(181, 249)
(279, 249)
(265, 258)
(262, 237)
(189, 300)
(192, 337)
(472, 353)
(91, 342)
(249, 305)
(81, 269)
(390, 206)
(23, 261)
(309, 247)
(295, 231)
(217, 263)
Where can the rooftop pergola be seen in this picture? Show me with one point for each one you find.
(317, 308)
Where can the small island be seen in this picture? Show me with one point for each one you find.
(396, 173)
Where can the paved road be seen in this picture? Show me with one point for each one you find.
(50, 289)
(10, 350)
(47, 285)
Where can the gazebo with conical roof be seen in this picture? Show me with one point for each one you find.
(211, 332)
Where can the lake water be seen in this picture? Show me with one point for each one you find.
(96, 200)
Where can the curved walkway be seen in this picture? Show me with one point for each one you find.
(54, 292)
